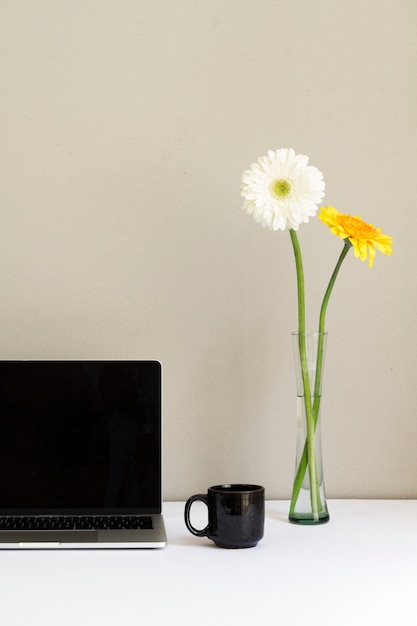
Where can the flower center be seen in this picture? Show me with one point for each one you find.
(280, 188)
(357, 227)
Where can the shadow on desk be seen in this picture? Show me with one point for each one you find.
(192, 542)
(279, 516)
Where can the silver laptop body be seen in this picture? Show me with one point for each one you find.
(80, 454)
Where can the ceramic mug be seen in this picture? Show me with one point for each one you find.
(236, 515)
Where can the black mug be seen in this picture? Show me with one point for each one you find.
(236, 515)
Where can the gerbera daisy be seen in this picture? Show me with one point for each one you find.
(281, 190)
(363, 237)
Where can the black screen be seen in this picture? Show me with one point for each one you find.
(80, 435)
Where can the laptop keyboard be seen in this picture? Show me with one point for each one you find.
(107, 522)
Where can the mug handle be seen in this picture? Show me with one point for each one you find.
(194, 531)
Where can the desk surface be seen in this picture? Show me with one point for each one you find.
(360, 568)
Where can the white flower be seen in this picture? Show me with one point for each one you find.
(281, 190)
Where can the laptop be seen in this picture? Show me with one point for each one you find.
(80, 454)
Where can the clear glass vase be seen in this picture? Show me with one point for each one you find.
(308, 502)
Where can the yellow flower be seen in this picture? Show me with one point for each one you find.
(363, 237)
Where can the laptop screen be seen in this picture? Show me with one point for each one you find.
(80, 436)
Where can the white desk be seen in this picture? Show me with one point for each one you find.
(359, 569)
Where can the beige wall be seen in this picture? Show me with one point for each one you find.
(125, 128)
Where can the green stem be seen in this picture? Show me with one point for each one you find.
(310, 443)
(322, 318)
(300, 282)
(319, 366)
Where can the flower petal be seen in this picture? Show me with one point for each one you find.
(364, 237)
(281, 190)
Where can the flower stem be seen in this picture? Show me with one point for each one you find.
(322, 320)
(310, 460)
(347, 246)
(319, 366)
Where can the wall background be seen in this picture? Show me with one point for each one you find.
(125, 128)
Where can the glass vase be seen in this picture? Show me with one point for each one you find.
(308, 501)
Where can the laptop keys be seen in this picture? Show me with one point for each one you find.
(106, 522)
